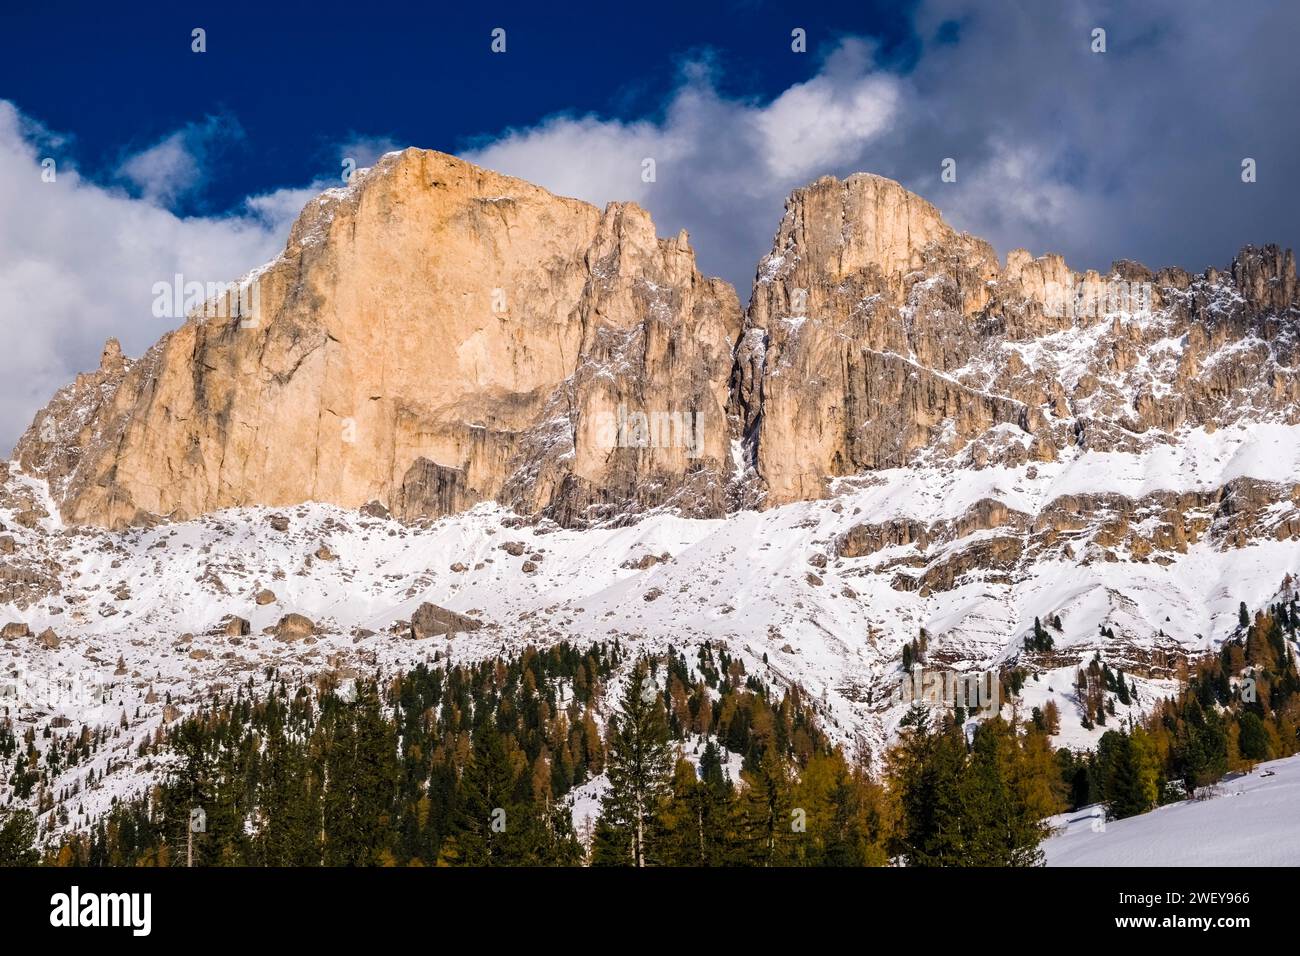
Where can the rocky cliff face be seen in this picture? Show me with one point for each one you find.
(433, 335)
(877, 336)
(437, 335)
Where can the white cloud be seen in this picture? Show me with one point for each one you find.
(78, 263)
(177, 164)
(1134, 153)
(612, 153)
(818, 125)
(722, 165)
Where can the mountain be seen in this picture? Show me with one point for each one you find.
(436, 335)
(432, 336)
(458, 390)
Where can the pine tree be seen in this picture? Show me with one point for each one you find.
(1253, 739)
(639, 763)
(766, 811)
(1041, 640)
(695, 822)
(1200, 753)
(923, 769)
(18, 838)
(485, 811)
(288, 834)
(360, 779)
(1131, 785)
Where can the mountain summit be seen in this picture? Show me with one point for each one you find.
(436, 334)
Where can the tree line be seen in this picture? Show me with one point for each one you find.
(1238, 707)
(693, 762)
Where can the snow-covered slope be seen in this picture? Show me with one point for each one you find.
(138, 614)
(1248, 820)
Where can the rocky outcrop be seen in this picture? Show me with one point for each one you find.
(433, 335)
(430, 620)
(294, 627)
(878, 337)
(989, 539)
(437, 335)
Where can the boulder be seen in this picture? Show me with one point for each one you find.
(30, 517)
(374, 509)
(645, 561)
(430, 619)
(294, 627)
(235, 626)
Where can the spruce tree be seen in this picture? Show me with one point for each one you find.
(765, 811)
(1131, 786)
(1201, 755)
(1253, 739)
(639, 764)
(18, 838)
(486, 811)
(924, 768)
(360, 779)
(694, 824)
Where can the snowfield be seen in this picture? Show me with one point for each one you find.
(1251, 820)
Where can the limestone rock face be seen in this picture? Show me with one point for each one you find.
(437, 335)
(433, 335)
(846, 339)
(878, 337)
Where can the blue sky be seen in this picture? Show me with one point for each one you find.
(291, 81)
(170, 161)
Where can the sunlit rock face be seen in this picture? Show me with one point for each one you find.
(436, 335)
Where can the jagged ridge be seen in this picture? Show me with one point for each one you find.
(436, 335)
